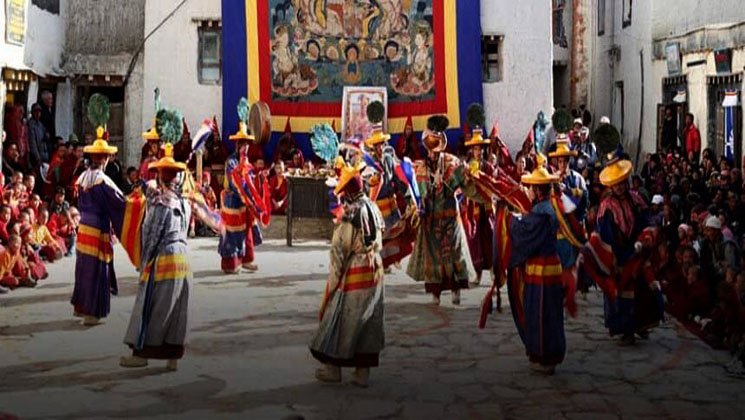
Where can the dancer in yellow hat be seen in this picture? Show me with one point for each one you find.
(351, 330)
(101, 205)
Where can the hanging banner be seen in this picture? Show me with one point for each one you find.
(15, 21)
(299, 56)
(729, 104)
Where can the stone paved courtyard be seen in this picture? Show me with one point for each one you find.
(247, 356)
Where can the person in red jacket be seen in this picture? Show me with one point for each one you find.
(693, 139)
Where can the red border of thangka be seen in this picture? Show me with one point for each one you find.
(325, 109)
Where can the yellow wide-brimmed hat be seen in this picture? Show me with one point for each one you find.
(167, 161)
(100, 146)
(151, 134)
(540, 175)
(616, 172)
(348, 172)
(562, 150)
(477, 139)
(377, 137)
(242, 133)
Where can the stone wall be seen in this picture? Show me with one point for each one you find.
(104, 27)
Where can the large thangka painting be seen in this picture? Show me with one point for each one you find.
(320, 46)
(301, 54)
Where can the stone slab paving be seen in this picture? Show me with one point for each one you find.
(247, 356)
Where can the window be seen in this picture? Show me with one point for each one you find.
(601, 17)
(51, 6)
(626, 13)
(491, 58)
(557, 26)
(210, 54)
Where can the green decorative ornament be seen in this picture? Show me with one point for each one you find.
(438, 123)
(562, 121)
(243, 110)
(170, 125)
(98, 110)
(476, 116)
(606, 139)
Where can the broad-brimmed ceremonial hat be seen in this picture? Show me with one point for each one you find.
(540, 175)
(167, 161)
(616, 170)
(100, 146)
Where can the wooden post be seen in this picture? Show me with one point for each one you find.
(199, 166)
(290, 187)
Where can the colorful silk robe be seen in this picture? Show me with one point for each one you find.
(101, 205)
(242, 206)
(535, 281)
(441, 258)
(575, 187)
(392, 196)
(478, 223)
(158, 324)
(351, 330)
(611, 262)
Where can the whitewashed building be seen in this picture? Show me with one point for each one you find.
(630, 60)
(523, 85)
(32, 36)
(182, 57)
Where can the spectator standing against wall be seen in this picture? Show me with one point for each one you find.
(47, 113)
(692, 139)
(37, 135)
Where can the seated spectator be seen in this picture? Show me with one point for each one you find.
(50, 248)
(5, 216)
(726, 319)
(30, 265)
(10, 257)
(29, 181)
(278, 187)
(59, 206)
(698, 296)
(131, 181)
(34, 205)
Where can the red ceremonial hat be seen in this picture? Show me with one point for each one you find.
(409, 123)
(288, 129)
(494, 131)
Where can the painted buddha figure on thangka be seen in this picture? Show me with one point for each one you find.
(320, 46)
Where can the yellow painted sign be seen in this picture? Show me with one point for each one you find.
(15, 21)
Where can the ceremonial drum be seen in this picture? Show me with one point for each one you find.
(260, 122)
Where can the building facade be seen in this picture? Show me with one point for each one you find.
(632, 60)
(32, 37)
(182, 58)
(524, 86)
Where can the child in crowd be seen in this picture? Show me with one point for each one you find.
(50, 248)
(34, 205)
(9, 258)
(30, 265)
(5, 216)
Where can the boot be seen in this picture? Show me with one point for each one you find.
(172, 365)
(542, 369)
(435, 299)
(456, 297)
(132, 362)
(329, 373)
(250, 267)
(360, 377)
(90, 321)
(478, 280)
(627, 340)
